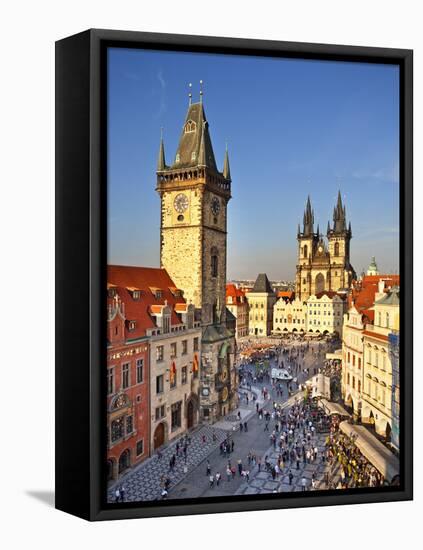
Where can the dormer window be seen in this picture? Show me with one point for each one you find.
(111, 292)
(136, 294)
(190, 126)
(166, 323)
(158, 294)
(132, 325)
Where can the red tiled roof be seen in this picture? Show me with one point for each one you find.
(289, 294)
(234, 292)
(375, 335)
(329, 294)
(390, 280)
(144, 279)
(363, 295)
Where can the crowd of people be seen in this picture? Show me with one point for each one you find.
(355, 470)
(292, 431)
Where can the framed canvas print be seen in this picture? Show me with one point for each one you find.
(234, 275)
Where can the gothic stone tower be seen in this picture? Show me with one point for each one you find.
(323, 267)
(307, 244)
(194, 197)
(339, 236)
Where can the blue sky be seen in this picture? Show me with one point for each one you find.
(293, 127)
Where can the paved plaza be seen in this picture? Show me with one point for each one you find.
(189, 477)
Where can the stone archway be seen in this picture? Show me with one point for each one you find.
(159, 435)
(124, 461)
(319, 283)
(191, 411)
(111, 469)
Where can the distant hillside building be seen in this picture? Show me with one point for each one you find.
(261, 300)
(372, 269)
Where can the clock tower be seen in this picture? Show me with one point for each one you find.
(194, 196)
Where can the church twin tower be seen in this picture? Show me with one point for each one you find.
(321, 266)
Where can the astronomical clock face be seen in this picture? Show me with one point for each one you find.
(180, 203)
(215, 206)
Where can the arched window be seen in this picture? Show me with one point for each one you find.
(336, 249)
(305, 251)
(190, 126)
(214, 265)
(214, 261)
(319, 283)
(387, 319)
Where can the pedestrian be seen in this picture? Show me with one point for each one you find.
(232, 446)
(203, 437)
(239, 466)
(117, 495)
(217, 476)
(211, 479)
(290, 477)
(245, 427)
(303, 483)
(208, 469)
(241, 426)
(122, 493)
(228, 473)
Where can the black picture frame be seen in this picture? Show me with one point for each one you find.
(81, 259)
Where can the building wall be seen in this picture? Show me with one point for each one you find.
(289, 316)
(325, 314)
(132, 401)
(378, 373)
(261, 313)
(182, 392)
(353, 361)
(181, 243)
(240, 312)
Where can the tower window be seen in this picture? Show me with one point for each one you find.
(305, 251)
(193, 155)
(336, 249)
(214, 265)
(190, 126)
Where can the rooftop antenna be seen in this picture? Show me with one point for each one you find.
(190, 93)
(201, 91)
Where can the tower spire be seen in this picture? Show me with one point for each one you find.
(339, 216)
(226, 168)
(161, 162)
(308, 219)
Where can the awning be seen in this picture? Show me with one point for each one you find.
(337, 354)
(375, 451)
(334, 408)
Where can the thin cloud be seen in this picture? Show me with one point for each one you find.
(163, 86)
(380, 175)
